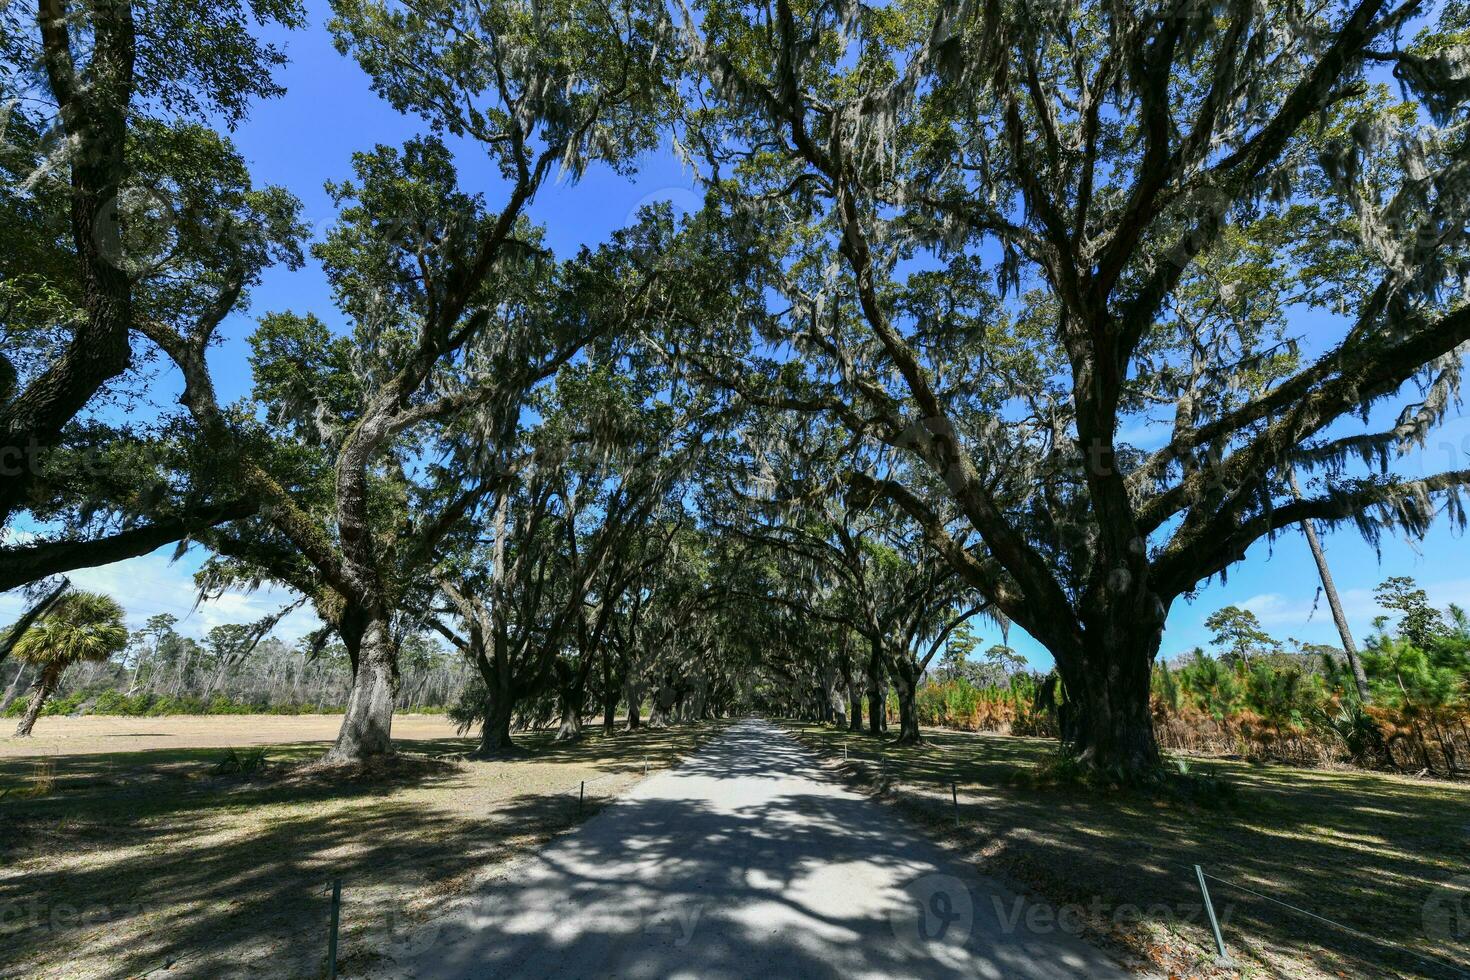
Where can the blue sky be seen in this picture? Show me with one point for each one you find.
(308, 137)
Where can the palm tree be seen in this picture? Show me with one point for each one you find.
(80, 626)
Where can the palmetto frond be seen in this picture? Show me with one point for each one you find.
(80, 626)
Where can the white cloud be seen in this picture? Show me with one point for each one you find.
(1275, 609)
(152, 584)
(1284, 614)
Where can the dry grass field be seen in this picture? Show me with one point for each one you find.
(112, 734)
(125, 851)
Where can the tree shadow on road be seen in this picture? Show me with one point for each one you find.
(701, 887)
(138, 860)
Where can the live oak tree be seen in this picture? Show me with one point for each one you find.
(578, 518)
(638, 435)
(643, 575)
(680, 629)
(867, 572)
(524, 612)
(119, 205)
(422, 268)
(351, 419)
(1009, 239)
(625, 528)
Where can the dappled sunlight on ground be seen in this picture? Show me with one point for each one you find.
(137, 859)
(745, 861)
(1370, 851)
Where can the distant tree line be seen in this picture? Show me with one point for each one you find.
(231, 669)
(1260, 698)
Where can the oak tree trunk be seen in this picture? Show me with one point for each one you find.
(1105, 714)
(610, 712)
(905, 685)
(633, 694)
(495, 735)
(367, 725)
(573, 700)
(609, 696)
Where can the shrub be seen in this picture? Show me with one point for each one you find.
(240, 762)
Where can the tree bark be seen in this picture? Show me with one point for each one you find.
(609, 696)
(905, 684)
(45, 684)
(633, 693)
(367, 726)
(610, 712)
(30, 563)
(500, 696)
(1104, 708)
(573, 700)
(94, 115)
(664, 699)
(877, 711)
(495, 737)
(855, 708)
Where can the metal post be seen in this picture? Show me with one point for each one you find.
(581, 795)
(955, 794)
(332, 935)
(645, 765)
(1204, 892)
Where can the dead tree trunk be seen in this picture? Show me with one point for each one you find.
(13, 689)
(1360, 677)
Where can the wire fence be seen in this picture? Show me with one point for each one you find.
(1453, 969)
(877, 759)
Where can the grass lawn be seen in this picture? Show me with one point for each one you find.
(1373, 852)
(136, 860)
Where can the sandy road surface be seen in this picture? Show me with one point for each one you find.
(745, 861)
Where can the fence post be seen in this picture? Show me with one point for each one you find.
(955, 794)
(332, 933)
(581, 795)
(645, 765)
(1204, 893)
